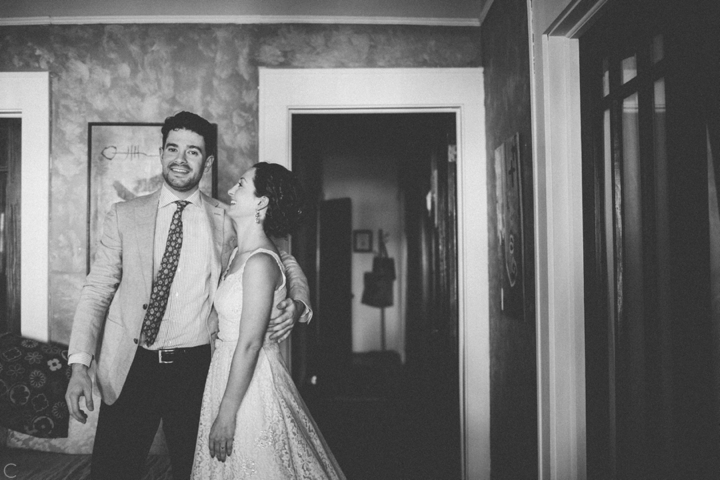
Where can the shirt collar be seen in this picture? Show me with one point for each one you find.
(167, 197)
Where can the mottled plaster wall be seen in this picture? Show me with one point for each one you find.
(513, 383)
(143, 73)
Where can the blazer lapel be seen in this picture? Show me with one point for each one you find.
(145, 215)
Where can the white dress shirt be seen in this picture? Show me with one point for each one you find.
(185, 321)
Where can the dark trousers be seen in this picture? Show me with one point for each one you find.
(153, 391)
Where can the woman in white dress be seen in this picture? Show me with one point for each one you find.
(254, 423)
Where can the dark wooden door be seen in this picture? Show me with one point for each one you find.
(648, 320)
(10, 183)
(334, 311)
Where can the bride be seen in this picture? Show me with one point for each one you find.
(253, 422)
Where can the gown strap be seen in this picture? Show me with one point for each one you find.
(272, 254)
(229, 263)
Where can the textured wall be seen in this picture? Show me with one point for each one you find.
(513, 391)
(143, 73)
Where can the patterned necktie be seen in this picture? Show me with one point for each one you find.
(164, 279)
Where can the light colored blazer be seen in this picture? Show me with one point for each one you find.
(110, 312)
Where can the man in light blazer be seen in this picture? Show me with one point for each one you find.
(146, 375)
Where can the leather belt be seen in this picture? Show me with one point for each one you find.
(171, 355)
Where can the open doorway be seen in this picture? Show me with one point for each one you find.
(10, 182)
(24, 96)
(381, 375)
(287, 92)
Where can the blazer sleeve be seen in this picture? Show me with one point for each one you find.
(298, 288)
(99, 289)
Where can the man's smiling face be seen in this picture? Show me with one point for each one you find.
(184, 161)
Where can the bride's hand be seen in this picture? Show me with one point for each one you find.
(221, 435)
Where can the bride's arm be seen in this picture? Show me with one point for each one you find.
(260, 278)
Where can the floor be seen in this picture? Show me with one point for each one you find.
(20, 464)
(380, 426)
(379, 423)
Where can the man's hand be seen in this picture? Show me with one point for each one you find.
(281, 326)
(80, 385)
(213, 337)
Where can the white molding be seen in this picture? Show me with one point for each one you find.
(565, 323)
(284, 92)
(27, 96)
(577, 17)
(485, 10)
(559, 280)
(539, 190)
(238, 19)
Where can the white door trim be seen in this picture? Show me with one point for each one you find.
(559, 280)
(26, 95)
(284, 92)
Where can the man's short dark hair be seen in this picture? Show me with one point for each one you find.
(194, 123)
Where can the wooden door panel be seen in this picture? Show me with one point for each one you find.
(334, 315)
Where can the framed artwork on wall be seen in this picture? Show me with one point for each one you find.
(124, 163)
(509, 201)
(362, 241)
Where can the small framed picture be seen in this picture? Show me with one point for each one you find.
(362, 241)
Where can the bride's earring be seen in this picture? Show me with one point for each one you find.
(257, 216)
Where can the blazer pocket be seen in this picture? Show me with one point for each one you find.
(115, 321)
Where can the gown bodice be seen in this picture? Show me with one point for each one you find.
(229, 297)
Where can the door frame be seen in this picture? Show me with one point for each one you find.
(555, 29)
(26, 95)
(286, 92)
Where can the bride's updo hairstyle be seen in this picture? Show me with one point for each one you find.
(286, 198)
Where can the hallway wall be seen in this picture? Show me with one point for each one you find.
(143, 73)
(369, 176)
(513, 381)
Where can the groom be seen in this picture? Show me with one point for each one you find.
(145, 312)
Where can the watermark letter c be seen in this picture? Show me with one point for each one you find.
(6, 470)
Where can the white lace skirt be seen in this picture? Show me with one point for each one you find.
(275, 436)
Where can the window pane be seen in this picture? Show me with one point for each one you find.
(659, 121)
(660, 162)
(632, 241)
(631, 156)
(631, 142)
(629, 69)
(630, 126)
(606, 77)
(610, 216)
(658, 51)
(632, 185)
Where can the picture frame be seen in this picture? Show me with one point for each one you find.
(362, 241)
(511, 241)
(124, 163)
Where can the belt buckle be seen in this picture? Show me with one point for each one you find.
(167, 353)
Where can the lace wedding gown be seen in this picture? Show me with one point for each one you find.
(275, 436)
